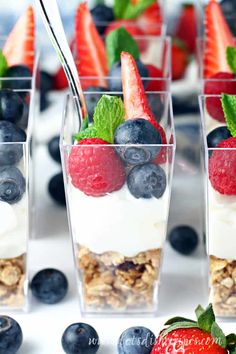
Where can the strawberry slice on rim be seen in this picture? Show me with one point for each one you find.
(218, 38)
(91, 53)
(151, 20)
(19, 46)
(135, 99)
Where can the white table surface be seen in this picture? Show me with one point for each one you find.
(184, 282)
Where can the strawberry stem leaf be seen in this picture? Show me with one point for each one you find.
(231, 58)
(206, 319)
(199, 311)
(179, 325)
(218, 335)
(178, 319)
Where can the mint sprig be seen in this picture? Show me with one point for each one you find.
(231, 58)
(3, 64)
(124, 9)
(108, 115)
(229, 108)
(118, 41)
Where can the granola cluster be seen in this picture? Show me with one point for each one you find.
(12, 277)
(112, 281)
(223, 280)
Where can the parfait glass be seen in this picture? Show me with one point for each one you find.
(117, 238)
(219, 223)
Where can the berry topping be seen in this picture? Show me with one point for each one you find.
(91, 53)
(102, 14)
(11, 336)
(216, 85)
(141, 132)
(136, 340)
(10, 153)
(95, 169)
(92, 99)
(222, 167)
(218, 38)
(217, 135)
(156, 105)
(19, 46)
(183, 239)
(186, 29)
(56, 189)
(11, 106)
(12, 184)
(49, 286)
(80, 338)
(129, 25)
(179, 54)
(147, 181)
(151, 20)
(18, 71)
(155, 73)
(53, 148)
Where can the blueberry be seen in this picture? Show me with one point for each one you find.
(11, 336)
(49, 286)
(11, 106)
(114, 81)
(136, 340)
(147, 181)
(18, 71)
(56, 189)
(54, 149)
(217, 135)
(12, 184)
(23, 123)
(46, 81)
(44, 102)
(10, 133)
(183, 239)
(80, 338)
(102, 14)
(156, 105)
(133, 132)
(92, 99)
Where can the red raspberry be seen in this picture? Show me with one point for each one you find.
(155, 85)
(95, 170)
(161, 157)
(222, 167)
(213, 104)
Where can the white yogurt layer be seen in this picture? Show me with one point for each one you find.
(212, 123)
(222, 225)
(118, 222)
(13, 229)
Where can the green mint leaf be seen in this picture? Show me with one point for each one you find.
(218, 335)
(231, 341)
(90, 132)
(178, 325)
(229, 108)
(118, 41)
(124, 9)
(178, 319)
(85, 123)
(231, 58)
(206, 319)
(199, 311)
(119, 8)
(108, 115)
(3, 64)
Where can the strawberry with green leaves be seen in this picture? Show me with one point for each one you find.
(204, 335)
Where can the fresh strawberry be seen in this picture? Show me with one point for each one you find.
(19, 46)
(95, 170)
(222, 167)
(186, 29)
(91, 53)
(216, 85)
(151, 20)
(129, 25)
(217, 38)
(156, 73)
(60, 81)
(135, 99)
(192, 337)
(180, 55)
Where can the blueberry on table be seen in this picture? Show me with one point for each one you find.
(147, 181)
(136, 340)
(11, 336)
(10, 133)
(114, 81)
(56, 189)
(183, 239)
(12, 184)
(80, 338)
(137, 132)
(54, 149)
(49, 286)
(92, 99)
(102, 14)
(217, 135)
(18, 71)
(11, 106)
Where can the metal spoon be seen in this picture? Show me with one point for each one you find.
(52, 20)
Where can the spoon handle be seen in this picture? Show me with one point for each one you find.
(53, 23)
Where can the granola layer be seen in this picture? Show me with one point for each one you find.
(12, 278)
(223, 281)
(113, 281)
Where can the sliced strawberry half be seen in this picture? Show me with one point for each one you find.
(218, 38)
(151, 20)
(19, 46)
(91, 53)
(135, 99)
